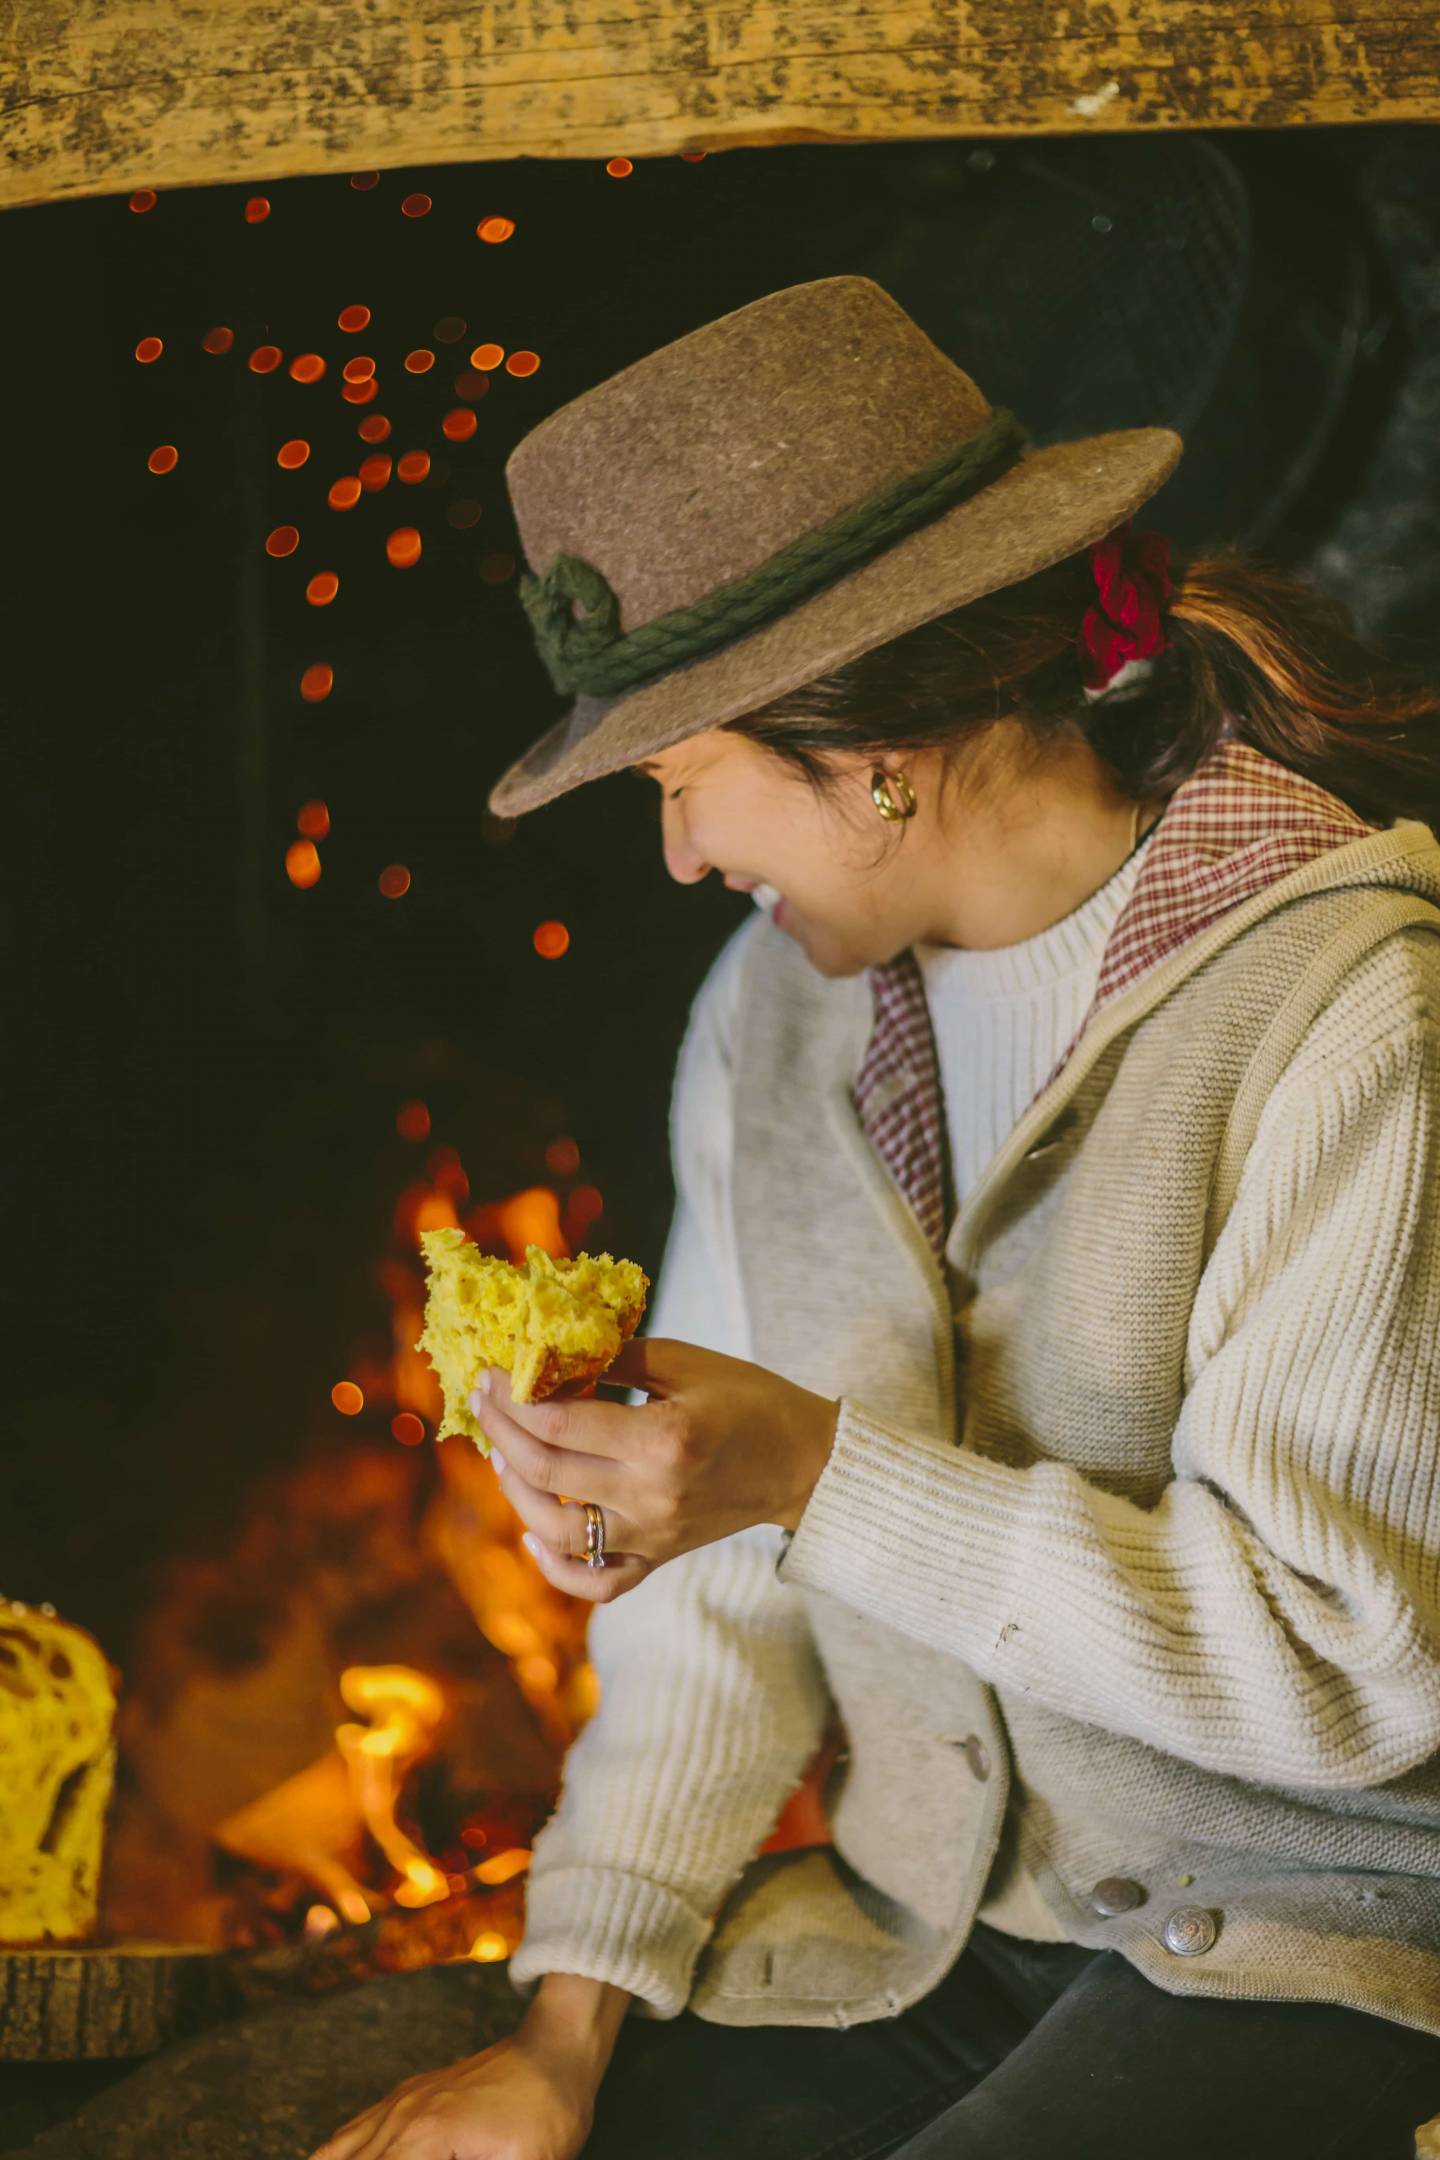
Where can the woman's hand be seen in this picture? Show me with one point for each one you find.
(721, 1444)
(529, 2097)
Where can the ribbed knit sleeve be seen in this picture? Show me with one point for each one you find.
(1276, 1615)
(712, 1699)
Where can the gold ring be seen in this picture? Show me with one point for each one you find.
(594, 1535)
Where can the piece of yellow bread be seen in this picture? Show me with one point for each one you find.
(546, 1321)
(57, 1768)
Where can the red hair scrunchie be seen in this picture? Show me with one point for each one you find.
(1132, 579)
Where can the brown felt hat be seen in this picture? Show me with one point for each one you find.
(689, 470)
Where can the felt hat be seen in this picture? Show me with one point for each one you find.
(760, 500)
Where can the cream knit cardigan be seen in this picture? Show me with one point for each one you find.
(1158, 1555)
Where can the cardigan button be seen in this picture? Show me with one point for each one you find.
(1116, 1894)
(1189, 1930)
(976, 1754)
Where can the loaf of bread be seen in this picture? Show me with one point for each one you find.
(547, 1321)
(57, 1769)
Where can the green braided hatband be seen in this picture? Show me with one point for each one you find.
(596, 656)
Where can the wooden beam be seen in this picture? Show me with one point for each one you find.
(101, 96)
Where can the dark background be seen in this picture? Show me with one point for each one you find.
(203, 1062)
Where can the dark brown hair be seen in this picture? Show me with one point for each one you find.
(1255, 652)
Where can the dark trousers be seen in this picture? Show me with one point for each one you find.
(1025, 2051)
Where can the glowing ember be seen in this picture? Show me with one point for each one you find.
(257, 209)
(415, 205)
(302, 863)
(293, 454)
(317, 682)
(394, 881)
(619, 168)
(495, 229)
(420, 361)
(459, 425)
(149, 348)
(322, 588)
(487, 356)
(353, 318)
(283, 540)
(144, 198)
(412, 1121)
(163, 458)
(345, 492)
(307, 367)
(403, 547)
(412, 466)
(375, 471)
(218, 340)
(313, 820)
(373, 428)
(347, 1398)
(265, 359)
(489, 1946)
(522, 363)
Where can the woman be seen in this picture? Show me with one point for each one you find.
(1041, 1386)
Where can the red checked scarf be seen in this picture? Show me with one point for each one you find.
(1239, 822)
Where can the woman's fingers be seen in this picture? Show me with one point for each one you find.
(548, 1468)
(621, 1572)
(562, 1524)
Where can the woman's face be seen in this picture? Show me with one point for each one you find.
(728, 804)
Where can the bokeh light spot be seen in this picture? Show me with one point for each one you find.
(494, 229)
(265, 359)
(408, 1429)
(522, 363)
(563, 1156)
(307, 367)
(489, 1947)
(412, 466)
(415, 205)
(302, 863)
(585, 1203)
(693, 157)
(373, 428)
(363, 179)
(322, 588)
(292, 454)
(360, 369)
(283, 541)
(394, 881)
(471, 384)
(352, 318)
(144, 198)
(459, 424)
(317, 681)
(412, 1120)
(149, 348)
(420, 361)
(360, 393)
(347, 1398)
(496, 567)
(403, 547)
(220, 339)
(487, 356)
(463, 513)
(345, 492)
(449, 330)
(257, 209)
(375, 471)
(619, 168)
(313, 819)
(551, 940)
(163, 458)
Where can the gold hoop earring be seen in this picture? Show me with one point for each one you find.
(880, 786)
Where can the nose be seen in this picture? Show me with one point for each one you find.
(684, 862)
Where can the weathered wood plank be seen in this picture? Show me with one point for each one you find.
(174, 93)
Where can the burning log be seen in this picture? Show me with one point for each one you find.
(475, 1924)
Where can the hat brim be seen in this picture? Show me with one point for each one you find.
(1049, 504)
